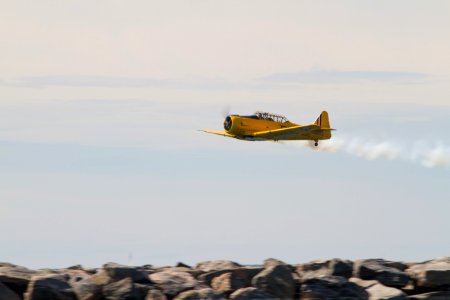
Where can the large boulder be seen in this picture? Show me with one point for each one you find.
(155, 295)
(431, 274)
(277, 281)
(438, 295)
(250, 293)
(227, 283)
(377, 291)
(382, 292)
(15, 277)
(122, 290)
(214, 265)
(90, 287)
(7, 294)
(386, 272)
(331, 287)
(332, 267)
(119, 272)
(243, 273)
(173, 283)
(49, 287)
(201, 294)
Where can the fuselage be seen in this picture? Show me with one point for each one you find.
(244, 126)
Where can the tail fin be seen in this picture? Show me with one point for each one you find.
(322, 121)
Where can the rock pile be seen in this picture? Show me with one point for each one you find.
(331, 279)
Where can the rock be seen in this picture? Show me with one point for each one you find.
(227, 283)
(438, 295)
(277, 281)
(244, 273)
(191, 271)
(173, 283)
(382, 292)
(214, 265)
(119, 272)
(90, 287)
(379, 291)
(121, 290)
(183, 265)
(332, 267)
(250, 293)
(75, 275)
(75, 267)
(155, 295)
(7, 294)
(201, 294)
(271, 262)
(331, 287)
(365, 284)
(431, 274)
(142, 289)
(16, 278)
(386, 272)
(49, 287)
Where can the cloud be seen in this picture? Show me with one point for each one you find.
(274, 80)
(89, 81)
(336, 76)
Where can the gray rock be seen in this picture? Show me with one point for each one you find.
(382, 292)
(271, 262)
(15, 277)
(180, 264)
(90, 287)
(244, 273)
(7, 294)
(119, 272)
(438, 295)
(214, 265)
(332, 267)
(173, 283)
(227, 283)
(386, 272)
(121, 290)
(365, 284)
(432, 274)
(201, 294)
(331, 287)
(155, 295)
(191, 271)
(250, 293)
(142, 289)
(49, 287)
(277, 281)
(378, 291)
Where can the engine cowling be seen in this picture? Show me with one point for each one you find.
(227, 123)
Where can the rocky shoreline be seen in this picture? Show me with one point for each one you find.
(222, 279)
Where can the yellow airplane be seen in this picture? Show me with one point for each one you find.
(263, 126)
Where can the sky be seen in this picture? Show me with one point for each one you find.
(101, 158)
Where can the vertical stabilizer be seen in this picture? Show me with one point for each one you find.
(322, 121)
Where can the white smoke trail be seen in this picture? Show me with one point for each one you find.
(418, 152)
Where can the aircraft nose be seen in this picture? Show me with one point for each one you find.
(227, 123)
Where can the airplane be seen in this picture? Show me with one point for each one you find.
(263, 126)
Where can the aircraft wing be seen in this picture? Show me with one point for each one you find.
(219, 133)
(295, 132)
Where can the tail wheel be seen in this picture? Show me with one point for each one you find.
(316, 143)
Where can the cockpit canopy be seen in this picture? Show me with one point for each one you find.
(271, 117)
